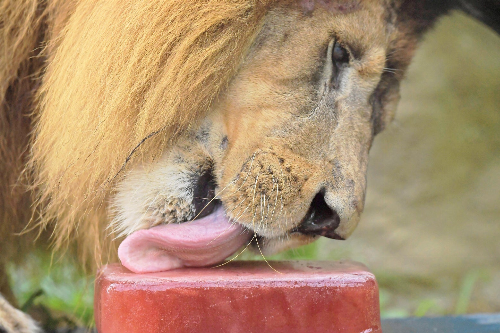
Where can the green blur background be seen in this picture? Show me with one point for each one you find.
(431, 227)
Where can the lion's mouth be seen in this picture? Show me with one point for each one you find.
(212, 236)
(207, 240)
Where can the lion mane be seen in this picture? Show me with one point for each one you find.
(97, 85)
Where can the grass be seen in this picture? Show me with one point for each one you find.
(469, 281)
(54, 293)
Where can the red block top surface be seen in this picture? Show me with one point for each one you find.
(239, 297)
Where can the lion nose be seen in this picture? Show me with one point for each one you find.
(320, 219)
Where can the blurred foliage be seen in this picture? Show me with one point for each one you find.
(53, 292)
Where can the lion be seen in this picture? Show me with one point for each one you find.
(121, 121)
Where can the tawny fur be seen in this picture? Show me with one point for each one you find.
(132, 75)
(21, 33)
(90, 89)
(93, 81)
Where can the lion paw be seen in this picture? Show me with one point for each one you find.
(15, 321)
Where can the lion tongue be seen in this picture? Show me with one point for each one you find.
(202, 242)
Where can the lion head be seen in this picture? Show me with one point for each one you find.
(258, 113)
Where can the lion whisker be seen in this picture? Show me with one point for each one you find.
(233, 258)
(214, 198)
(248, 174)
(232, 210)
(391, 70)
(233, 222)
(253, 199)
(248, 206)
(264, 257)
(132, 152)
(276, 200)
(261, 223)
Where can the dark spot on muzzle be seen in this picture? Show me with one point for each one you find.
(204, 193)
(320, 219)
(224, 143)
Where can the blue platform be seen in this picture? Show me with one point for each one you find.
(477, 323)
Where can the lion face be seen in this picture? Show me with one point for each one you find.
(284, 150)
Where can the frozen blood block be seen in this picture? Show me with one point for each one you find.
(241, 296)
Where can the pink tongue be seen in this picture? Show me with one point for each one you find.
(202, 242)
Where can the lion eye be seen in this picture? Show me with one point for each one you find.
(339, 54)
(340, 60)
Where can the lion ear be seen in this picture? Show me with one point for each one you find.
(486, 11)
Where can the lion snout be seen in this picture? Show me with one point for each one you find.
(278, 192)
(272, 192)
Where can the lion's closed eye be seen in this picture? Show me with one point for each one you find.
(340, 59)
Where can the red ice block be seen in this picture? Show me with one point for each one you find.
(245, 296)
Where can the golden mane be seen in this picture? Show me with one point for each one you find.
(123, 80)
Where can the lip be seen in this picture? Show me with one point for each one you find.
(319, 231)
(204, 201)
